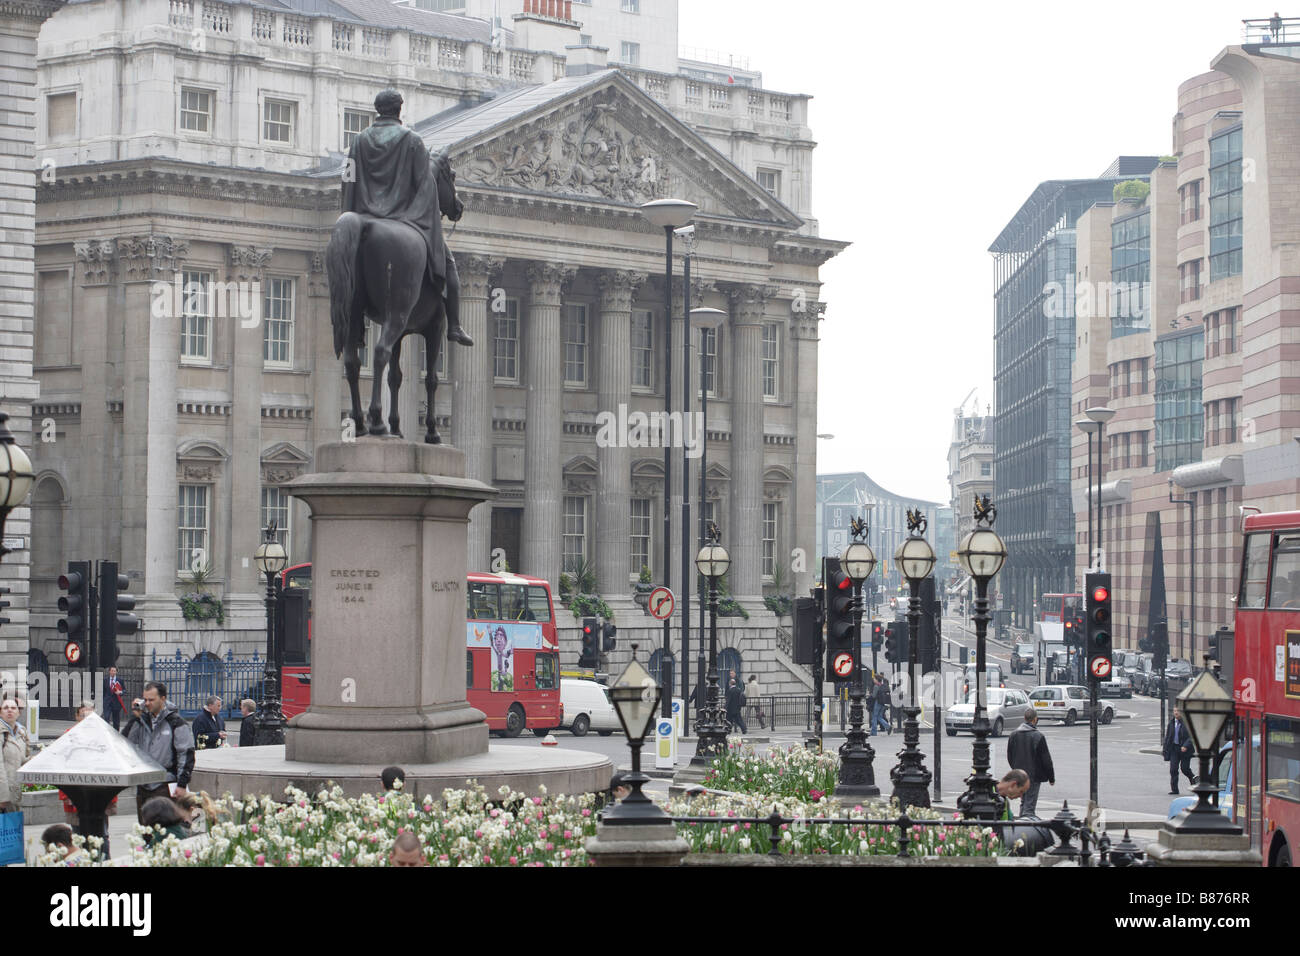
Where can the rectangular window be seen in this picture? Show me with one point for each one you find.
(192, 529)
(1179, 417)
(1190, 195)
(771, 366)
(277, 121)
(61, 117)
(1255, 576)
(639, 553)
(1283, 748)
(631, 6)
(277, 324)
(770, 180)
(1189, 274)
(643, 349)
(354, 121)
(708, 362)
(505, 344)
(630, 53)
(1225, 204)
(275, 507)
(196, 110)
(770, 515)
(196, 337)
(575, 532)
(575, 345)
(1130, 274)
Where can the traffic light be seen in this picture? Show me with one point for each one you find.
(4, 592)
(877, 635)
(589, 655)
(75, 607)
(896, 642)
(1098, 645)
(607, 632)
(807, 628)
(839, 622)
(115, 617)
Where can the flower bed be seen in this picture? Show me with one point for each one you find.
(793, 772)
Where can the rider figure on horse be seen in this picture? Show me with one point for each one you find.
(392, 178)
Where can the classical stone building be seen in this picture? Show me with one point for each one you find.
(1195, 347)
(200, 144)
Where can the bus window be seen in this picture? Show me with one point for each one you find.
(469, 669)
(481, 602)
(1283, 749)
(1256, 571)
(539, 604)
(1285, 589)
(546, 672)
(514, 603)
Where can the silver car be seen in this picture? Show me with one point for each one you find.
(1068, 703)
(1005, 708)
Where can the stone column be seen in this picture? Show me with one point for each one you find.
(743, 538)
(327, 389)
(803, 519)
(96, 497)
(470, 370)
(543, 518)
(19, 25)
(614, 459)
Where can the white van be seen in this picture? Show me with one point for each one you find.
(587, 707)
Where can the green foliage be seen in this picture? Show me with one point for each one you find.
(779, 605)
(566, 586)
(644, 577)
(1131, 189)
(589, 605)
(1168, 159)
(727, 606)
(584, 578)
(201, 606)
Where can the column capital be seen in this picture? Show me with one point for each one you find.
(804, 323)
(699, 289)
(618, 287)
(748, 301)
(546, 281)
(151, 257)
(248, 262)
(98, 261)
(477, 272)
(317, 281)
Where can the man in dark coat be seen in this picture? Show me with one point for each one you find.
(1027, 751)
(389, 176)
(1178, 751)
(735, 705)
(209, 726)
(113, 706)
(247, 728)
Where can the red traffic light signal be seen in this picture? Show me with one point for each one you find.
(1100, 593)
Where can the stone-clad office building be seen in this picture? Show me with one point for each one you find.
(177, 427)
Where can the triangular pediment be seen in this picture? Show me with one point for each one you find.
(597, 138)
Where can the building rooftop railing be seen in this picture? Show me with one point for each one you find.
(1271, 30)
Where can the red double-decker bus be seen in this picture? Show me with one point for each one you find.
(1266, 686)
(512, 650)
(1053, 607)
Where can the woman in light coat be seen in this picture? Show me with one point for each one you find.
(16, 749)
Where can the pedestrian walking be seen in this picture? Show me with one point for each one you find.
(736, 705)
(1014, 783)
(17, 750)
(161, 732)
(209, 726)
(1178, 751)
(754, 697)
(114, 707)
(1027, 751)
(880, 703)
(247, 728)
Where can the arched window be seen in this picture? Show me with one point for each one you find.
(204, 676)
(655, 667)
(729, 659)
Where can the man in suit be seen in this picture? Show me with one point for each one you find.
(247, 729)
(113, 706)
(209, 726)
(1178, 751)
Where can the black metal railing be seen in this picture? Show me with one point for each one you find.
(191, 681)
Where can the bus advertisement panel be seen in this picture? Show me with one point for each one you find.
(1266, 686)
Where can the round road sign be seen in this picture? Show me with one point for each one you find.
(661, 603)
(1100, 667)
(842, 665)
(72, 652)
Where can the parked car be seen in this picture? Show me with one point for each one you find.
(1142, 674)
(1117, 686)
(1177, 675)
(993, 677)
(1022, 658)
(1129, 663)
(1005, 708)
(587, 707)
(1068, 703)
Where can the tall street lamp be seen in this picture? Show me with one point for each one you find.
(707, 318)
(1089, 428)
(915, 559)
(712, 562)
(668, 214)
(1101, 416)
(857, 776)
(635, 696)
(982, 555)
(15, 476)
(269, 721)
(1191, 569)
(1206, 707)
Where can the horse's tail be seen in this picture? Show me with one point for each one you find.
(341, 267)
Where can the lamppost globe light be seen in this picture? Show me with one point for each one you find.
(270, 556)
(15, 469)
(982, 553)
(915, 557)
(707, 317)
(1100, 414)
(858, 561)
(669, 213)
(1088, 426)
(712, 561)
(1207, 707)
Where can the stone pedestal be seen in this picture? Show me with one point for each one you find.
(1173, 848)
(389, 524)
(651, 845)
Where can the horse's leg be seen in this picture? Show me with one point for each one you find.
(383, 352)
(432, 343)
(394, 385)
(352, 368)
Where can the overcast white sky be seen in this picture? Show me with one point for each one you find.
(934, 122)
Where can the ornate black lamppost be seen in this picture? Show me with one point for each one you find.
(857, 776)
(1206, 707)
(15, 476)
(269, 720)
(635, 696)
(915, 559)
(981, 554)
(712, 562)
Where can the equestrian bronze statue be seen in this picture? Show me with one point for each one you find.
(387, 262)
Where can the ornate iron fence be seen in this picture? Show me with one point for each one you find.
(191, 681)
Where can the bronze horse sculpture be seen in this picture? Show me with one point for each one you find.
(376, 270)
